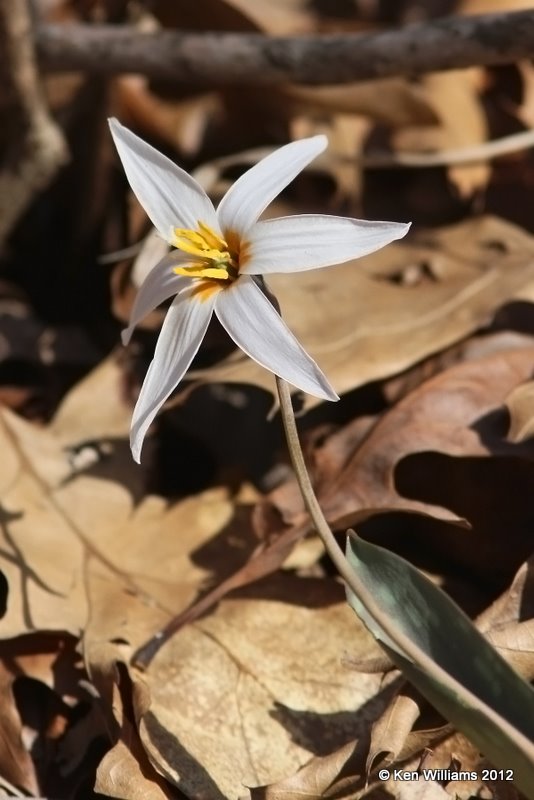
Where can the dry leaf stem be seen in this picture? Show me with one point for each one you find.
(219, 58)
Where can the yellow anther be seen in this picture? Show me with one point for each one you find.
(198, 271)
(204, 242)
(213, 239)
(190, 236)
(188, 246)
(215, 262)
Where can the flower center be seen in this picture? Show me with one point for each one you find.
(213, 257)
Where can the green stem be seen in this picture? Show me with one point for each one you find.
(310, 500)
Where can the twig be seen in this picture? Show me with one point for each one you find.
(216, 59)
(31, 144)
(460, 155)
(208, 174)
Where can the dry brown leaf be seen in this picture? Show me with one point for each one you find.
(343, 770)
(455, 98)
(181, 122)
(16, 765)
(125, 771)
(390, 731)
(429, 455)
(80, 419)
(278, 17)
(509, 622)
(223, 15)
(342, 774)
(49, 661)
(515, 642)
(520, 403)
(110, 583)
(444, 415)
(515, 604)
(525, 111)
(491, 6)
(366, 320)
(394, 102)
(415, 789)
(271, 690)
(346, 137)
(112, 549)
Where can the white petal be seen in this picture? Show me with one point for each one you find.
(181, 335)
(170, 197)
(160, 283)
(252, 192)
(310, 241)
(257, 328)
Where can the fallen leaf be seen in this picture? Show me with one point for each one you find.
(390, 731)
(455, 97)
(48, 664)
(362, 321)
(268, 694)
(112, 545)
(109, 584)
(520, 404)
(444, 415)
(125, 771)
(16, 765)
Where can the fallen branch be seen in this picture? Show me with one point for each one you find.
(216, 59)
(31, 144)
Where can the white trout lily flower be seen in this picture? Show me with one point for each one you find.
(218, 253)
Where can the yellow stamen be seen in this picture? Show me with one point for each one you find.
(215, 260)
(199, 271)
(188, 246)
(213, 239)
(205, 242)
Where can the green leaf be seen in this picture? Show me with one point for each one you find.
(442, 653)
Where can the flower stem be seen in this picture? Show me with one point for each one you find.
(310, 500)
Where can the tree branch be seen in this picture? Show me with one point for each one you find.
(216, 59)
(32, 147)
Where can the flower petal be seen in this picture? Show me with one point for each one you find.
(160, 283)
(170, 197)
(310, 241)
(258, 329)
(181, 335)
(252, 192)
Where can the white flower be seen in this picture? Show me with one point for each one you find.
(218, 253)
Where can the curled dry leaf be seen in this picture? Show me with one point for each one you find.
(509, 625)
(389, 733)
(520, 404)
(16, 765)
(342, 774)
(455, 98)
(50, 665)
(126, 771)
(370, 319)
